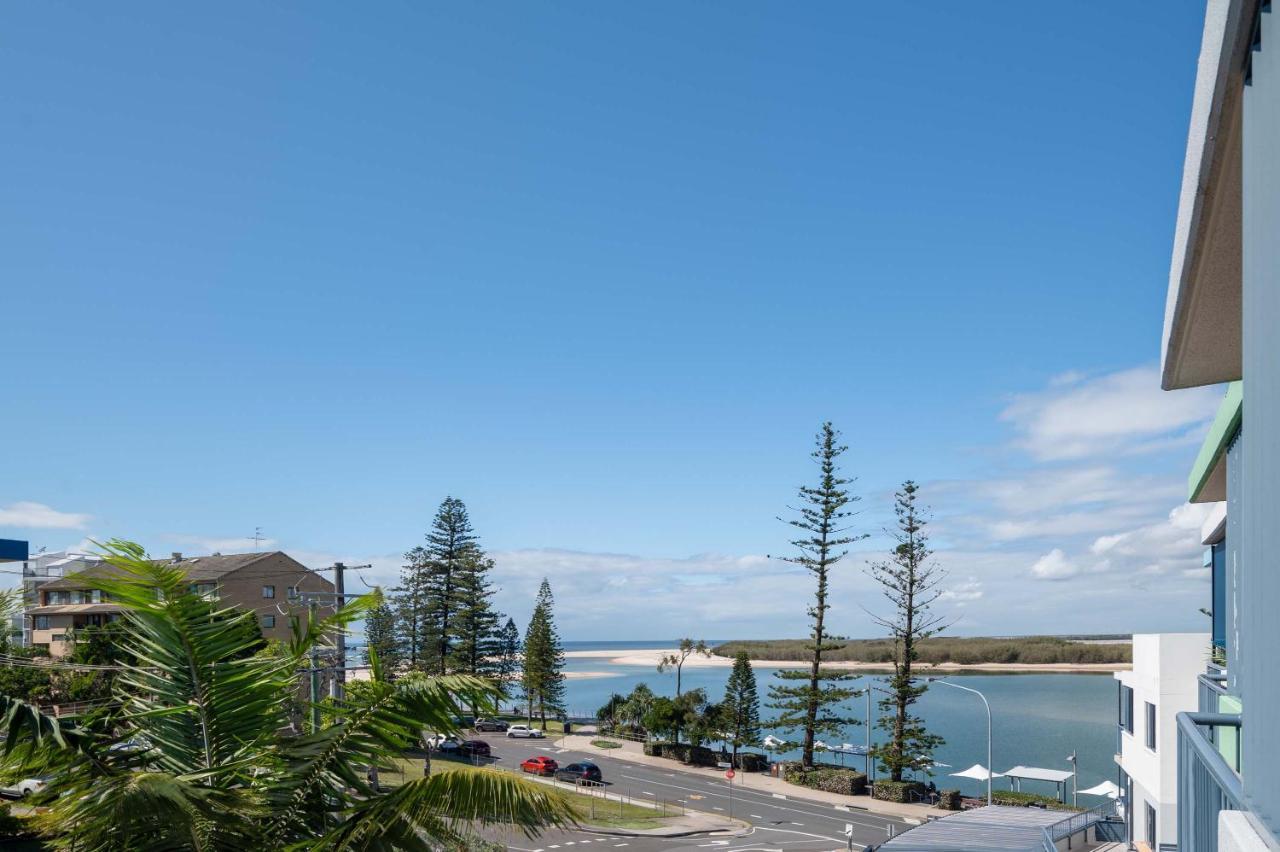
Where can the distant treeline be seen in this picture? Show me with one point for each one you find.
(1028, 650)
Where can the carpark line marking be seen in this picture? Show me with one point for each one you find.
(778, 796)
(714, 808)
(753, 816)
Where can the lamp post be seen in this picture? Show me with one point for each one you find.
(985, 703)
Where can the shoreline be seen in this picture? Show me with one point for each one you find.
(649, 658)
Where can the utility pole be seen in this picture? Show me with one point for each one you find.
(340, 675)
(315, 671)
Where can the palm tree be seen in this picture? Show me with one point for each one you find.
(198, 755)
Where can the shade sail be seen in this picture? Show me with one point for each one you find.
(1035, 773)
(977, 771)
(1106, 788)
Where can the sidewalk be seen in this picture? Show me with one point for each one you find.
(757, 781)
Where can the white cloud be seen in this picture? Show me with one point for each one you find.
(1124, 412)
(39, 516)
(1054, 565)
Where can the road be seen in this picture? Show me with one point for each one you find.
(790, 823)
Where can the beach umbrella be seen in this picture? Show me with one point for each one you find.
(1106, 788)
(772, 743)
(977, 772)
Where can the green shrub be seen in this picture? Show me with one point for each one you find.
(1018, 799)
(605, 744)
(824, 776)
(896, 791)
(652, 748)
(750, 761)
(690, 754)
(949, 800)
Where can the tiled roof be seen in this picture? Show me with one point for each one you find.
(197, 568)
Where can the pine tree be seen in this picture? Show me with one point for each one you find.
(451, 549)
(410, 607)
(543, 679)
(910, 583)
(508, 658)
(380, 637)
(474, 625)
(813, 704)
(740, 710)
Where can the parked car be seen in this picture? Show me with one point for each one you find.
(580, 773)
(27, 787)
(540, 765)
(490, 725)
(525, 731)
(441, 742)
(474, 748)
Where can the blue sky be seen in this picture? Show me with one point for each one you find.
(601, 270)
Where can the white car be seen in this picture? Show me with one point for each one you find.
(525, 732)
(442, 742)
(27, 786)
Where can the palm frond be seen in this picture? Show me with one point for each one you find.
(444, 807)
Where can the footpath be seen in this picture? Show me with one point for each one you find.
(757, 781)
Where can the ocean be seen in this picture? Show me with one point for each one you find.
(1037, 719)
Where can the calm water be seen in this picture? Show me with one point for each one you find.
(1038, 719)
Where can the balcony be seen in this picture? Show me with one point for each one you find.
(1207, 780)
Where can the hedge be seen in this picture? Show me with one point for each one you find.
(847, 782)
(683, 752)
(896, 791)
(1011, 797)
(750, 761)
(949, 800)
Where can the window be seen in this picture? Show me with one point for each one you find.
(57, 598)
(58, 637)
(1151, 826)
(42, 622)
(268, 591)
(205, 590)
(1151, 726)
(268, 621)
(1126, 709)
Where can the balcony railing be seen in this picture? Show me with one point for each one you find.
(1207, 785)
(1212, 684)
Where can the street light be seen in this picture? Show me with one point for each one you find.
(871, 765)
(990, 769)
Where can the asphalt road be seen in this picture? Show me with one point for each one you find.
(778, 823)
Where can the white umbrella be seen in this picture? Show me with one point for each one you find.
(978, 772)
(1106, 788)
(774, 744)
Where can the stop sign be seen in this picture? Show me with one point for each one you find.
(729, 774)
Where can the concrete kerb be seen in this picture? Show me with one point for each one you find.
(633, 751)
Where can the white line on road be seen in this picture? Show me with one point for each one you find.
(753, 816)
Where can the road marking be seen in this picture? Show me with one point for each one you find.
(714, 808)
(778, 796)
(753, 816)
(616, 845)
(645, 793)
(798, 823)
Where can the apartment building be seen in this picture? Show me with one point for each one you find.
(263, 582)
(14, 550)
(1222, 317)
(1161, 684)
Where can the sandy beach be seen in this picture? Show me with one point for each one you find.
(650, 657)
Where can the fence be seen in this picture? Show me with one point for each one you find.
(1080, 821)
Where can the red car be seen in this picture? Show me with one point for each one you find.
(540, 765)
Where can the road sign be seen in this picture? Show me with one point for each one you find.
(729, 774)
(848, 829)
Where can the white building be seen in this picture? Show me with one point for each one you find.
(1161, 684)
